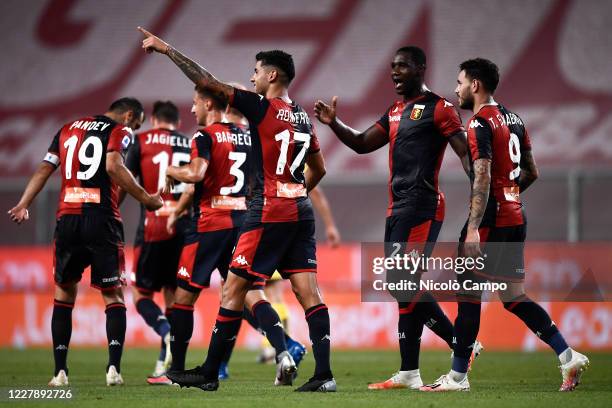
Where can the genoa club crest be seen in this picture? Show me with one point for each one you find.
(417, 112)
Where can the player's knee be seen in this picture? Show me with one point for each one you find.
(308, 296)
(66, 293)
(114, 295)
(185, 297)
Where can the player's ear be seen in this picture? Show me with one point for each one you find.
(272, 75)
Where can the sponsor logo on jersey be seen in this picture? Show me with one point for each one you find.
(228, 203)
(417, 112)
(241, 260)
(290, 190)
(82, 195)
(474, 124)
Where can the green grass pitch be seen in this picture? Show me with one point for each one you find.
(498, 380)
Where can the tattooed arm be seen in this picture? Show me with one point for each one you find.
(478, 205)
(195, 72)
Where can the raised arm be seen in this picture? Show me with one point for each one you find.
(19, 213)
(126, 181)
(529, 170)
(478, 204)
(361, 142)
(194, 71)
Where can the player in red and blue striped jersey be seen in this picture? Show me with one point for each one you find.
(417, 129)
(278, 232)
(156, 249)
(502, 168)
(89, 152)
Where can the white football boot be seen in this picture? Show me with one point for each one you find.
(402, 379)
(60, 380)
(113, 377)
(446, 383)
(285, 369)
(572, 371)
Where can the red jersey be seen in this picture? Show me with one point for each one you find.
(497, 134)
(219, 201)
(418, 132)
(148, 159)
(80, 149)
(282, 137)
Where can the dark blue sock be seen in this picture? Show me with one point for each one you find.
(162, 346)
(317, 318)
(434, 318)
(115, 333)
(538, 321)
(467, 325)
(270, 324)
(61, 331)
(223, 337)
(152, 314)
(180, 334)
(409, 331)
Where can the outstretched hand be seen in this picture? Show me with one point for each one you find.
(153, 43)
(19, 214)
(325, 113)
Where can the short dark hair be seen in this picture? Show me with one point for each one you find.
(218, 99)
(279, 59)
(483, 70)
(417, 55)
(166, 111)
(127, 104)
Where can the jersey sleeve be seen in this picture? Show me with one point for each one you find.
(119, 140)
(480, 139)
(383, 122)
(447, 119)
(253, 106)
(53, 154)
(132, 160)
(201, 146)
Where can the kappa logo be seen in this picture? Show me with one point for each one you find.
(326, 337)
(184, 273)
(279, 324)
(395, 110)
(241, 260)
(114, 343)
(474, 124)
(61, 347)
(232, 338)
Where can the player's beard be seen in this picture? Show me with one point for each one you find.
(467, 103)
